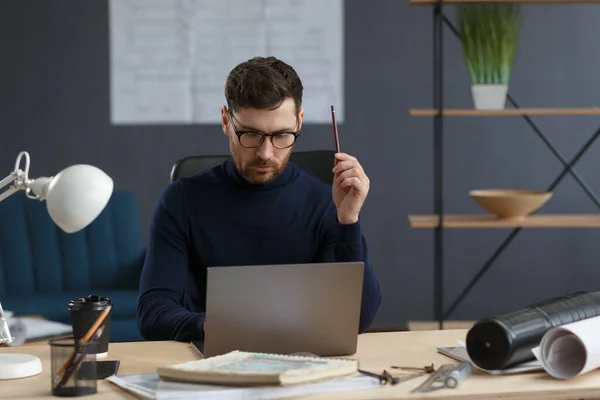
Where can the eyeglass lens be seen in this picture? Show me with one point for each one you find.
(280, 140)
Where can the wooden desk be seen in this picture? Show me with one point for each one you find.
(434, 325)
(376, 352)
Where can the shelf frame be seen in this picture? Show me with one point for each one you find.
(438, 160)
(440, 20)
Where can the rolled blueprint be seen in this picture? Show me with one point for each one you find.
(508, 339)
(570, 350)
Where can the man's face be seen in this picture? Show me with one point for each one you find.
(263, 163)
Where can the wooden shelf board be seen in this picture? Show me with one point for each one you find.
(507, 112)
(431, 2)
(490, 221)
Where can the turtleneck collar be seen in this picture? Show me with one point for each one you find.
(286, 175)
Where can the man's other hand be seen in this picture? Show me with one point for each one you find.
(350, 188)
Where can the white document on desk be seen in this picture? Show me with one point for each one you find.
(40, 329)
(150, 386)
(30, 328)
(570, 350)
(460, 353)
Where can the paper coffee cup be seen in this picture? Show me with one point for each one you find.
(84, 312)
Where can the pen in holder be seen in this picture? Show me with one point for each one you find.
(67, 355)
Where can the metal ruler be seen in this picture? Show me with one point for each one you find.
(446, 376)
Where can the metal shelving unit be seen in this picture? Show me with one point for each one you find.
(438, 220)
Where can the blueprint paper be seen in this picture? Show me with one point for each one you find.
(169, 58)
(570, 350)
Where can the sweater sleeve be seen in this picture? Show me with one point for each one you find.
(161, 315)
(346, 243)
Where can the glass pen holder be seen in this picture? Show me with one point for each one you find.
(73, 367)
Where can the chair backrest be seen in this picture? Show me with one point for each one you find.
(38, 257)
(318, 162)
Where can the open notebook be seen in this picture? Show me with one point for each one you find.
(248, 368)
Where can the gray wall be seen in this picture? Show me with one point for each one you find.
(54, 102)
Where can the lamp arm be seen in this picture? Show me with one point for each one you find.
(5, 182)
(20, 181)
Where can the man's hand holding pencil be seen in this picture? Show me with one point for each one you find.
(350, 183)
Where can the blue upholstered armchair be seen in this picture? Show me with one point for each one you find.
(42, 267)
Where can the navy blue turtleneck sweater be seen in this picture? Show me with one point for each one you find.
(217, 218)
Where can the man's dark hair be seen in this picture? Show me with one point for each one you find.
(262, 83)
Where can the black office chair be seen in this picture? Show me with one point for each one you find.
(318, 162)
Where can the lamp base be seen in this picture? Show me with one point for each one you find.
(15, 366)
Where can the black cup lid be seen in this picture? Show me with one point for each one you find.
(91, 302)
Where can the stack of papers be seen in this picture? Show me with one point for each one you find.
(151, 387)
(40, 328)
(24, 329)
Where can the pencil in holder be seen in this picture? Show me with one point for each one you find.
(73, 367)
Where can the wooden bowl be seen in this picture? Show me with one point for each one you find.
(510, 203)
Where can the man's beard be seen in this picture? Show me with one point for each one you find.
(257, 177)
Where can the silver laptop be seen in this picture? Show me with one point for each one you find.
(285, 309)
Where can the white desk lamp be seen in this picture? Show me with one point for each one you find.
(74, 198)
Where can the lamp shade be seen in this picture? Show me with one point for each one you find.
(77, 195)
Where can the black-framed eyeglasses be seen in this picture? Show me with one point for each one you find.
(253, 138)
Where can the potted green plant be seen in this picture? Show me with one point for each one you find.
(489, 34)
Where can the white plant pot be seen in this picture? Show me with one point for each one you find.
(489, 97)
